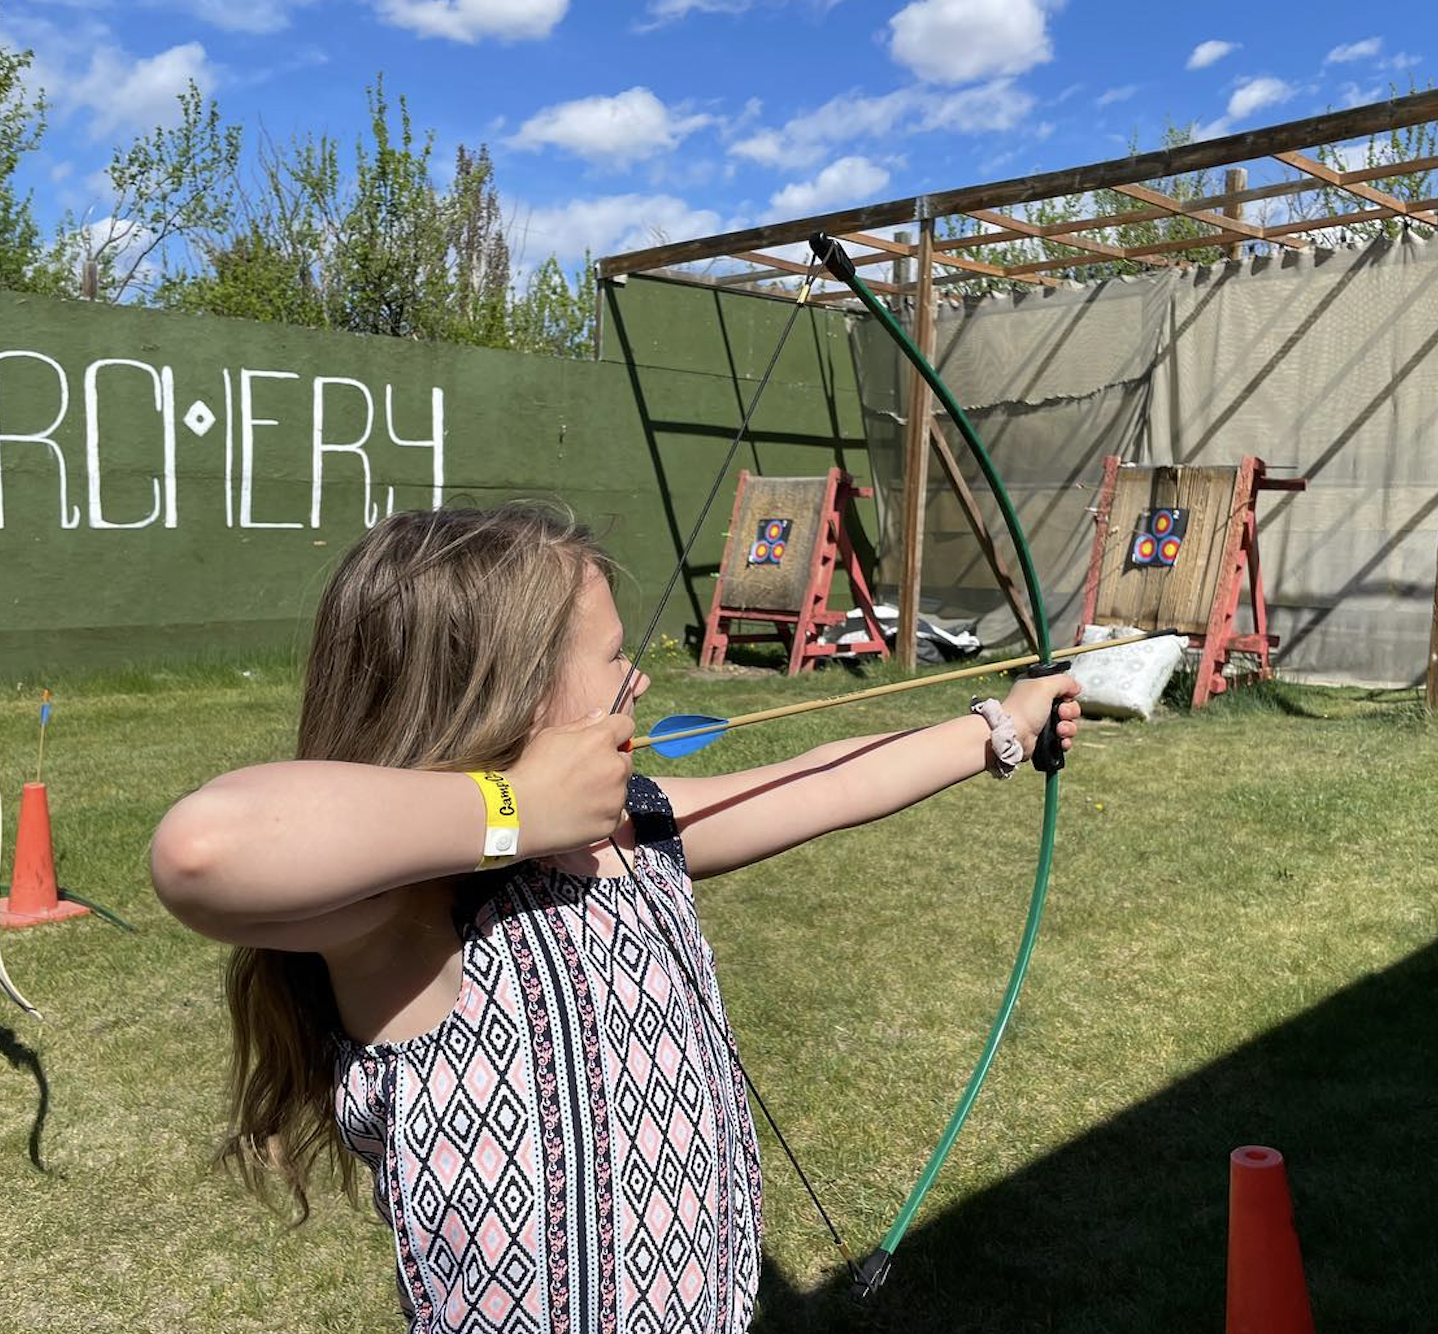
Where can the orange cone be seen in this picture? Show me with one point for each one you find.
(1266, 1292)
(34, 893)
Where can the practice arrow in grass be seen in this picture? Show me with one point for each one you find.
(684, 733)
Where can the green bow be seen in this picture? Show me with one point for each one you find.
(875, 1269)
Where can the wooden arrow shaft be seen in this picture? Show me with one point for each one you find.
(873, 692)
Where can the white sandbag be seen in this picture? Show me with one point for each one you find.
(1125, 682)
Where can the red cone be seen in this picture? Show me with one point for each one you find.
(1266, 1292)
(34, 894)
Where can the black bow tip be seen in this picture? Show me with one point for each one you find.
(872, 1274)
(832, 255)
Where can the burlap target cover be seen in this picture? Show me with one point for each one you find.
(767, 585)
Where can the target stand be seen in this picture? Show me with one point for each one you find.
(1171, 549)
(786, 538)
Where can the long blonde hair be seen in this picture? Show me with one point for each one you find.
(437, 641)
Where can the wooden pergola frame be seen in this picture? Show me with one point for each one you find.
(920, 267)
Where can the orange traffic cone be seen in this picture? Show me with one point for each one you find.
(1266, 1292)
(34, 894)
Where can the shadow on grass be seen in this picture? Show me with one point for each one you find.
(22, 1057)
(1125, 1229)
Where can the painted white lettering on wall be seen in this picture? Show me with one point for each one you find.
(164, 385)
(264, 437)
(69, 514)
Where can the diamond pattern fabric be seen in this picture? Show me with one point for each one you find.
(570, 1151)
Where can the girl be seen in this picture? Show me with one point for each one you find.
(532, 1060)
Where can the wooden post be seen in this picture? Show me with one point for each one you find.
(901, 270)
(916, 456)
(1433, 654)
(1234, 180)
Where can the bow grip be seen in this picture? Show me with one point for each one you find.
(1048, 756)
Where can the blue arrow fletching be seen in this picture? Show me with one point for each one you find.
(684, 722)
(44, 714)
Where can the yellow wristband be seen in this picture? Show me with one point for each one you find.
(501, 830)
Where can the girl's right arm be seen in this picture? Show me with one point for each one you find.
(292, 855)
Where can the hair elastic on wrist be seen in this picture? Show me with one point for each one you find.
(501, 811)
(1008, 749)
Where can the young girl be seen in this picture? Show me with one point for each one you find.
(532, 1059)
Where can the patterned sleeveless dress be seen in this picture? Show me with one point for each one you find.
(570, 1151)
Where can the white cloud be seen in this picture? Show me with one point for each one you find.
(470, 20)
(850, 180)
(1364, 50)
(1402, 60)
(851, 117)
(256, 16)
(1253, 94)
(1353, 95)
(957, 41)
(666, 11)
(627, 127)
(121, 92)
(607, 225)
(1112, 95)
(1207, 53)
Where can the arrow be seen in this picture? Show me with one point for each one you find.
(684, 733)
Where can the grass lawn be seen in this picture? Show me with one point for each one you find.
(1239, 949)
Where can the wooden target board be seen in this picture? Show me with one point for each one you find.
(1158, 594)
(787, 537)
(771, 543)
(1172, 549)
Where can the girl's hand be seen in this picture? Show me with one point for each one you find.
(1029, 704)
(571, 782)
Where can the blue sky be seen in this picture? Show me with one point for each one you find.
(613, 126)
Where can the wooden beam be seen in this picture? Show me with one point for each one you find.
(1013, 594)
(1177, 206)
(916, 457)
(1420, 210)
(1332, 127)
(1335, 178)
(1386, 171)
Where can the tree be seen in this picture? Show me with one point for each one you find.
(556, 314)
(1408, 143)
(22, 126)
(168, 186)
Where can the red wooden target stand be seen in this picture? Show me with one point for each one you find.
(787, 536)
(1201, 593)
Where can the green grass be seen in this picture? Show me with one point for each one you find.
(1239, 948)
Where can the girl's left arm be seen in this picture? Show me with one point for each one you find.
(733, 820)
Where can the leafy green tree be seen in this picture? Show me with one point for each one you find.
(556, 314)
(1409, 143)
(22, 126)
(168, 186)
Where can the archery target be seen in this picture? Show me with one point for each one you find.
(1158, 537)
(768, 545)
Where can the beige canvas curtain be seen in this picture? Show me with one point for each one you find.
(1324, 364)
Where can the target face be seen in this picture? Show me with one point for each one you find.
(1158, 537)
(769, 541)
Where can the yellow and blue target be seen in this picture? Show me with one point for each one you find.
(770, 541)
(1159, 537)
